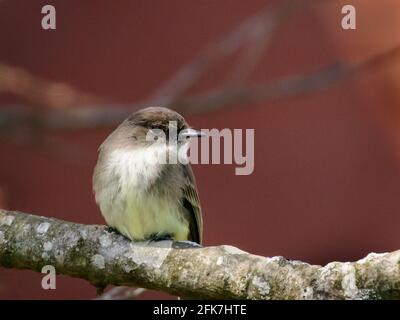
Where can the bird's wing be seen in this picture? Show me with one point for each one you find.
(192, 204)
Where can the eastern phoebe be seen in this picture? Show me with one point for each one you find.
(140, 194)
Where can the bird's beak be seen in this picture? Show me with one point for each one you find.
(191, 133)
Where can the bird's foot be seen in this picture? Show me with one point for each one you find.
(161, 237)
(110, 229)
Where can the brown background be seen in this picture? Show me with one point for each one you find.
(326, 180)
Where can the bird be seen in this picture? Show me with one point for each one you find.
(142, 196)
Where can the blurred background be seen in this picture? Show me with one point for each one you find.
(324, 103)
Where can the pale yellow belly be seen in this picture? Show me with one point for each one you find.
(138, 220)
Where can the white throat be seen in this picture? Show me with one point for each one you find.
(139, 168)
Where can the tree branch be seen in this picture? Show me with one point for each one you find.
(104, 257)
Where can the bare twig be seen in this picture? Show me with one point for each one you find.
(40, 92)
(252, 35)
(91, 117)
(286, 86)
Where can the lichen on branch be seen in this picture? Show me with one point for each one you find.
(103, 257)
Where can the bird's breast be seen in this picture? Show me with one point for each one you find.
(127, 202)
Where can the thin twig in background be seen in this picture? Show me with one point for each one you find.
(258, 28)
(286, 86)
(40, 92)
(93, 117)
(251, 35)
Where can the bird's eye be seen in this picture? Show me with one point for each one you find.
(155, 134)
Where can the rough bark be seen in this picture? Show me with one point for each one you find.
(103, 257)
